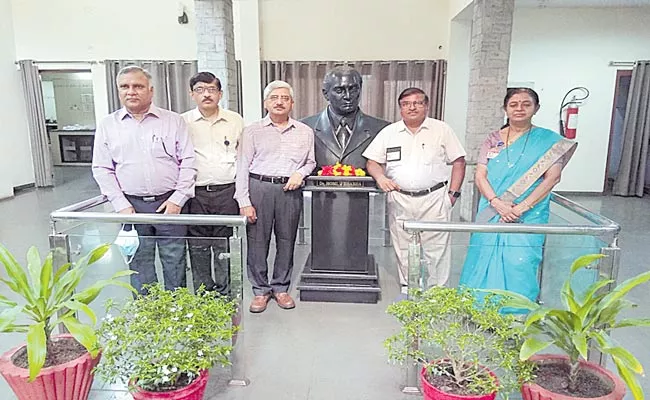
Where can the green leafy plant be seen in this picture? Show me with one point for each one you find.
(446, 330)
(583, 319)
(163, 340)
(48, 299)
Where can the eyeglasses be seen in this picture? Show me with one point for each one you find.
(284, 99)
(416, 104)
(209, 89)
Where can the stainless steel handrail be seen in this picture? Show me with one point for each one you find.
(582, 211)
(415, 226)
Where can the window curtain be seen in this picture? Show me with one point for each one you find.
(170, 81)
(636, 135)
(41, 157)
(382, 83)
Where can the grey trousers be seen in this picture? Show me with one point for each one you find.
(206, 242)
(170, 240)
(277, 212)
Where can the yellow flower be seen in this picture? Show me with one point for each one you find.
(359, 172)
(347, 170)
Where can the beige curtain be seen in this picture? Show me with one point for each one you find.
(382, 83)
(631, 175)
(170, 82)
(38, 138)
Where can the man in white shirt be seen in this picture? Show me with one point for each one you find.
(215, 133)
(408, 159)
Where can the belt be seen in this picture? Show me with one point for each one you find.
(271, 179)
(215, 188)
(150, 199)
(425, 191)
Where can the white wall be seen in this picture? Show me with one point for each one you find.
(307, 30)
(457, 91)
(96, 30)
(16, 163)
(456, 6)
(558, 49)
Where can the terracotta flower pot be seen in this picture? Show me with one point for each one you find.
(433, 393)
(532, 391)
(68, 381)
(193, 391)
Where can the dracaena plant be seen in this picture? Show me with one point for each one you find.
(48, 298)
(584, 319)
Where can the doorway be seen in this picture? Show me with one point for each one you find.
(619, 107)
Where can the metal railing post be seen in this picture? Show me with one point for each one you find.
(414, 280)
(237, 261)
(386, 228)
(607, 269)
(60, 248)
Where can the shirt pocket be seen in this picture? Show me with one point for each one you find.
(163, 147)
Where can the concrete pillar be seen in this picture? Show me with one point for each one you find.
(216, 45)
(488, 80)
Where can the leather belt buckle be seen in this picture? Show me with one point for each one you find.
(276, 179)
(210, 188)
(148, 199)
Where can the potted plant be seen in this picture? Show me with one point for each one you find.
(584, 320)
(50, 366)
(163, 342)
(461, 346)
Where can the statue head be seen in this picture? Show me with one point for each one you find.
(342, 89)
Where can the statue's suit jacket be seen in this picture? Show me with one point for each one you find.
(326, 148)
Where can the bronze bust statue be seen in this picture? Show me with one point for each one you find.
(342, 131)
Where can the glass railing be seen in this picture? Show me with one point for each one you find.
(572, 231)
(81, 227)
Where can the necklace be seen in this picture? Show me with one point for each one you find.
(510, 165)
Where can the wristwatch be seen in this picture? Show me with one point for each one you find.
(454, 194)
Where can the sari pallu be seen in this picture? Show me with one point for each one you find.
(510, 261)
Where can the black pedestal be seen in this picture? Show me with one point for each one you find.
(339, 268)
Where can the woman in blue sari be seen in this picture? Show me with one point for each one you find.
(518, 167)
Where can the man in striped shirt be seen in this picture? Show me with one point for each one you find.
(274, 157)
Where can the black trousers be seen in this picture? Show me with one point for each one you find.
(170, 240)
(206, 242)
(277, 212)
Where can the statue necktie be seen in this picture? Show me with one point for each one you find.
(342, 133)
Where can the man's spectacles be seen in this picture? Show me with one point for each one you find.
(209, 89)
(284, 99)
(416, 104)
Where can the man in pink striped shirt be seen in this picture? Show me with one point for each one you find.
(143, 161)
(275, 155)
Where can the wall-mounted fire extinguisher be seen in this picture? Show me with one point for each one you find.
(569, 122)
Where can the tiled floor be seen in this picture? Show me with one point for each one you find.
(319, 350)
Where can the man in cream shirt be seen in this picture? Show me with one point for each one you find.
(215, 133)
(409, 160)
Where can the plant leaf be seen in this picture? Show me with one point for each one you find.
(531, 347)
(629, 378)
(632, 322)
(98, 253)
(579, 340)
(594, 287)
(16, 275)
(6, 301)
(46, 277)
(7, 318)
(84, 334)
(512, 299)
(622, 289)
(79, 306)
(626, 358)
(34, 266)
(584, 261)
(36, 349)
(59, 272)
(535, 316)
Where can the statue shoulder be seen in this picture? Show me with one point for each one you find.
(376, 123)
(312, 120)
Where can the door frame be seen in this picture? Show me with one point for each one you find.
(621, 73)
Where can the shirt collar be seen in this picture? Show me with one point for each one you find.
(266, 121)
(196, 115)
(425, 125)
(153, 110)
(335, 119)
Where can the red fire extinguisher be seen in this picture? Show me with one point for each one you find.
(569, 124)
(571, 121)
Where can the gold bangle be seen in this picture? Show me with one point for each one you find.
(527, 204)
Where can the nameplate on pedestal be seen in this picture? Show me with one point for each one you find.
(340, 184)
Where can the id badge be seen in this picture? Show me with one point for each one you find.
(493, 152)
(393, 154)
